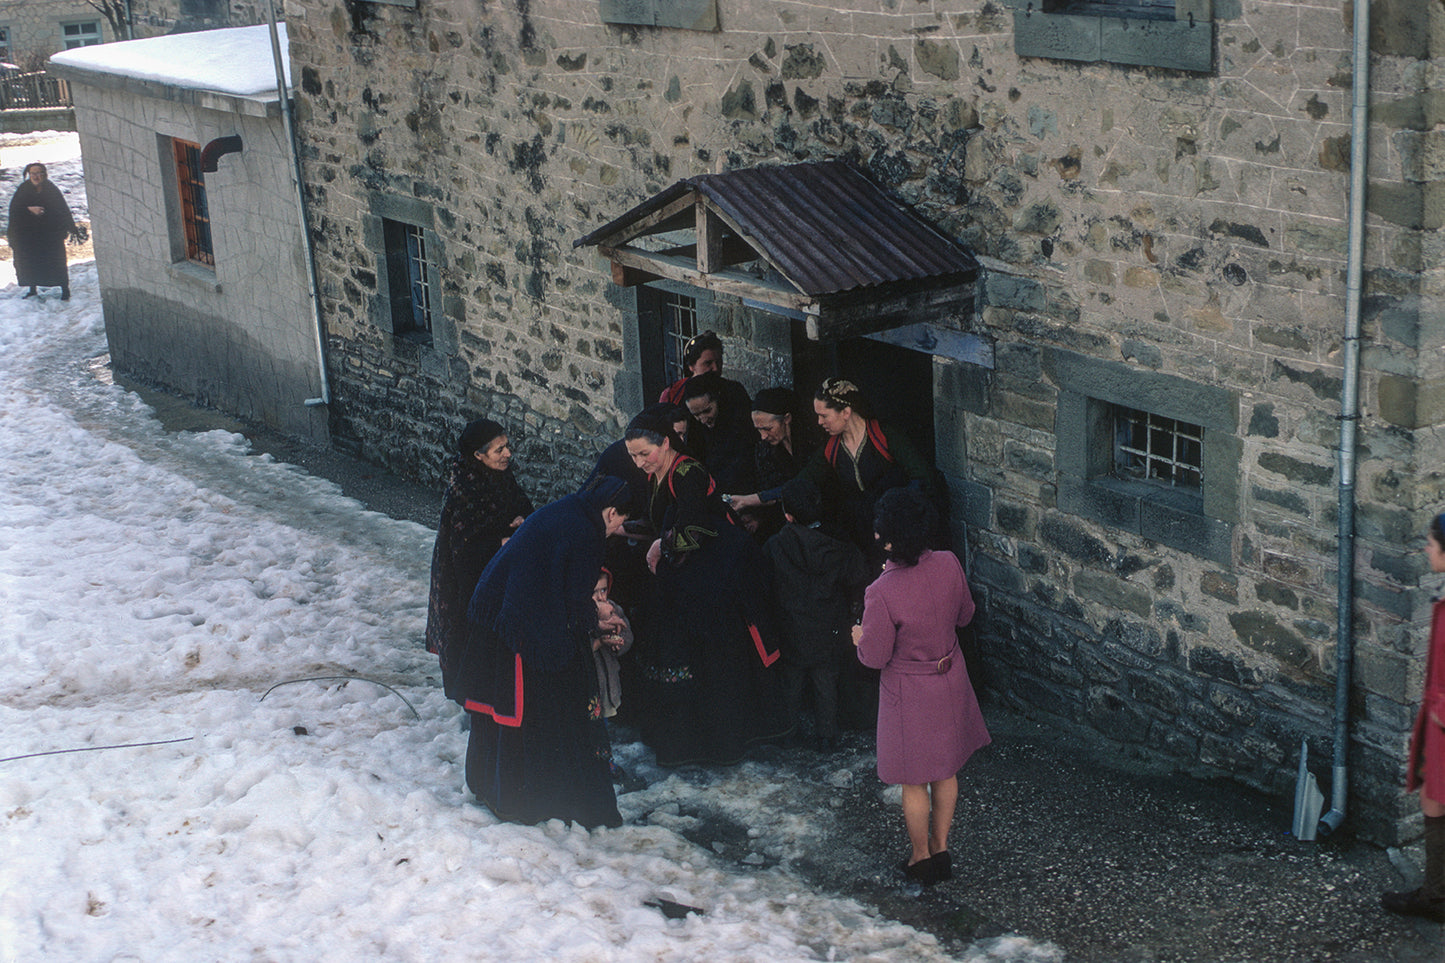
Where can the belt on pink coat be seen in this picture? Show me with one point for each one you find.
(923, 666)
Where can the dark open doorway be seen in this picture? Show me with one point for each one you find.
(897, 382)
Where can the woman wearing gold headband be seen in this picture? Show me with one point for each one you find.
(862, 459)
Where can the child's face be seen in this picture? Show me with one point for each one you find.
(599, 591)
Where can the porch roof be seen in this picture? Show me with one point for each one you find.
(815, 240)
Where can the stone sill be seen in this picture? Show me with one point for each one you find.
(189, 272)
(1173, 44)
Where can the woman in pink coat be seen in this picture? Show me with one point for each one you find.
(1425, 769)
(928, 717)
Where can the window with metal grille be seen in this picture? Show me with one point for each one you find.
(679, 325)
(1150, 447)
(81, 34)
(195, 211)
(410, 279)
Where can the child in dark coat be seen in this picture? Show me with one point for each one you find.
(818, 580)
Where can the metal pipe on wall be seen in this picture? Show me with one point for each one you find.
(1349, 419)
(311, 289)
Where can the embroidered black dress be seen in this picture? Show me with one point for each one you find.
(538, 747)
(706, 646)
(476, 515)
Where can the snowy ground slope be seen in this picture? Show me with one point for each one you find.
(155, 587)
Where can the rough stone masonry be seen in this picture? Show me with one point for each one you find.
(1160, 239)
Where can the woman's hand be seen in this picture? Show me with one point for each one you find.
(37, 211)
(654, 555)
(517, 522)
(739, 502)
(857, 634)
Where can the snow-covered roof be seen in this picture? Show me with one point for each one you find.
(234, 60)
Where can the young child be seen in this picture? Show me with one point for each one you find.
(611, 638)
(818, 580)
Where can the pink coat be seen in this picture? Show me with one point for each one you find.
(928, 717)
(1426, 767)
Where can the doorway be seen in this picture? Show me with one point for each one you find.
(897, 382)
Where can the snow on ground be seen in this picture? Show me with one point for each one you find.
(163, 594)
(59, 151)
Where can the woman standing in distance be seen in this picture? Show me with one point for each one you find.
(39, 222)
(929, 722)
(484, 505)
(1425, 769)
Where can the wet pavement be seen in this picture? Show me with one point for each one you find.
(1050, 841)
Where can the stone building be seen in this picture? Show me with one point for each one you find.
(1142, 456)
(32, 30)
(198, 241)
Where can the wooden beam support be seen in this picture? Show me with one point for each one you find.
(709, 238)
(726, 282)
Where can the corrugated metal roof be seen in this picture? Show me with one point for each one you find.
(826, 226)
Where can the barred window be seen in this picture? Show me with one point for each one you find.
(1150, 447)
(195, 211)
(679, 325)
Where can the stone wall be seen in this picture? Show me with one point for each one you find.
(36, 27)
(238, 336)
(1141, 229)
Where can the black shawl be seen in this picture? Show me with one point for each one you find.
(38, 241)
(476, 515)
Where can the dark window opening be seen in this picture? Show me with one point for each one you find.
(195, 210)
(1150, 447)
(410, 276)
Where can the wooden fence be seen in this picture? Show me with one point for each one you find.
(29, 91)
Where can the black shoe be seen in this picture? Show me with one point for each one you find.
(65, 294)
(28, 294)
(1415, 903)
(942, 865)
(922, 872)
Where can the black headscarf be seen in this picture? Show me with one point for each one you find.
(535, 596)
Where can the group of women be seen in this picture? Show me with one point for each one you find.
(513, 620)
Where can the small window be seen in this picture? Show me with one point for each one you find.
(1175, 34)
(194, 209)
(411, 281)
(5, 44)
(679, 325)
(1149, 447)
(84, 34)
(684, 14)
(1147, 452)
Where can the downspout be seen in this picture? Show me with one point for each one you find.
(311, 289)
(1349, 418)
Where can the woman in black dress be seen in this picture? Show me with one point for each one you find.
(538, 746)
(40, 220)
(705, 647)
(484, 505)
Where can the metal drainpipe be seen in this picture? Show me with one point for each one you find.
(1349, 418)
(311, 290)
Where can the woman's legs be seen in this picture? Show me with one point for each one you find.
(1429, 900)
(945, 798)
(928, 815)
(916, 808)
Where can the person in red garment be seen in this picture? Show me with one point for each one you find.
(929, 723)
(1425, 768)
